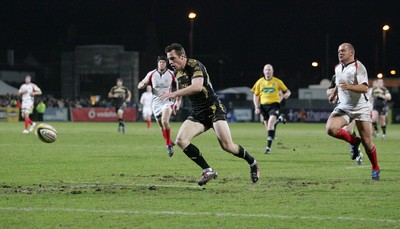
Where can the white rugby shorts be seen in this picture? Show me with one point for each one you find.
(159, 106)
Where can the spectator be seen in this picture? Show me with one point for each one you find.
(40, 108)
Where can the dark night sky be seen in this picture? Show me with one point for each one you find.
(244, 34)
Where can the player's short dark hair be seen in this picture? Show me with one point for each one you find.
(119, 79)
(164, 58)
(177, 47)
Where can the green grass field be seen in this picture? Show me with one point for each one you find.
(95, 177)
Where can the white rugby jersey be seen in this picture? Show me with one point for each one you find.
(29, 88)
(160, 83)
(146, 99)
(352, 73)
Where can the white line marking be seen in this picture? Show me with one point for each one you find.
(357, 167)
(221, 214)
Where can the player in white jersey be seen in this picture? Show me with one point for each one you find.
(349, 127)
(351, 88)
(28, 90)
(161, 80)
(146, 100)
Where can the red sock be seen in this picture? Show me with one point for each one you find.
(26, 122)
(148, 124)
(167, 136)
(373, 159)
(342, 134)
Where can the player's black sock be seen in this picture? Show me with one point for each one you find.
(354, 133)
(375, 125)
(383, 129)
(271, 136)
(245, 155)
(194, 153)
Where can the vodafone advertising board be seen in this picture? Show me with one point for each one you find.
(97, 114)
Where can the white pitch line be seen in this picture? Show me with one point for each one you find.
(220, 214)
(357, 167)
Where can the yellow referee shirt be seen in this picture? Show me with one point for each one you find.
(268, 90)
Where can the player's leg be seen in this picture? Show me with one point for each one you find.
(350, 129)
(165, 116)
(25, 116)
(382, 121)
(159, 122)
(370, 149)
(280, 119)
(160, 111)
(148, 121)
(265, 117)
(26, 110)
(375, 116)
(121, 125)
(335, 124)
(334, 128)
(224, 136)
(270, 125)
(188, 130)
(166, 129)
(147, 116)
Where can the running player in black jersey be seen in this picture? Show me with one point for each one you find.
(207, 112)
(120, 95)
(380, 96)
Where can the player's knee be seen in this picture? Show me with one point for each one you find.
(25, 114)
(331, 131)
(181, 142)
(165, 124)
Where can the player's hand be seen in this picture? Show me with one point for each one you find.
(166, 96)
(344, 85)
(176, 107)
(257, 111)
(333, 95)
(332, 99)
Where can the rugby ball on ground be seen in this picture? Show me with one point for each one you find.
(46, 133)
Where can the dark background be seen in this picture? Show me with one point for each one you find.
(234, 39)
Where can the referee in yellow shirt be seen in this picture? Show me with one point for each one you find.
(267, 101)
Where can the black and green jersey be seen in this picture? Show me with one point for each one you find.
(205, 99)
